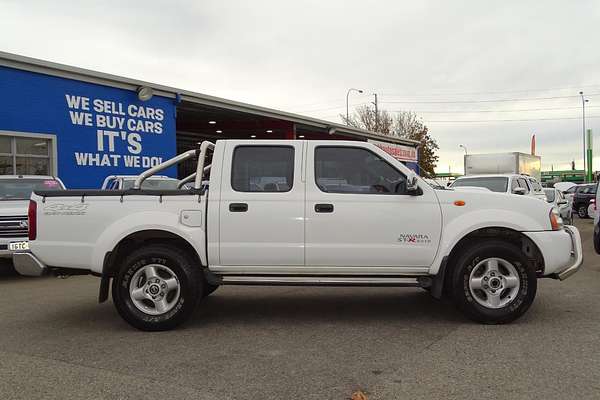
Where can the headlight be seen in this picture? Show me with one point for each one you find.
(555, 220)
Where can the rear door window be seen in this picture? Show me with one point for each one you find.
(513, 185)
(263, 169)
(523, 184)
(535, 185)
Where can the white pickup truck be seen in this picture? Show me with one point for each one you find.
(294, 212)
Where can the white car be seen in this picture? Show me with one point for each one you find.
(503, 183)
(558, 200)
(15, 191)
(299, 212)
(124, 182)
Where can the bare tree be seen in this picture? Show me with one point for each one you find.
(406, 123)
(364, 118)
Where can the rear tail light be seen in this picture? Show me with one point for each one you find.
(32, 217)
(555, 220)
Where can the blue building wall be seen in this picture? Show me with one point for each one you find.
(99, 130)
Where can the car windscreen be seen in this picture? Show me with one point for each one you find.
(160, 184)
(493, 183)
(550, 195)
(20, 189)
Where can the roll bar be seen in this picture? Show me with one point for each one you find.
(200, 153)
(192, 177)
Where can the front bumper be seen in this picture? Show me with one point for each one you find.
(28, 264)
(562, 251)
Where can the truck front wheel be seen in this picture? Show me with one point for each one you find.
(157, 288)
(492, 282)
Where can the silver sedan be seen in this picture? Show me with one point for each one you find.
(555, 197)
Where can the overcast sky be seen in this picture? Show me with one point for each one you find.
(302, 56)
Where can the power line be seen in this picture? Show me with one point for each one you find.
(329, 108)
(509, 120)
(384, 93)
(482, 101)
(491, 92)
(494, 111)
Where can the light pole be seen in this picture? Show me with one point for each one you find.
(583, 101)
(376, 113)
(347, 95)
(464, 148)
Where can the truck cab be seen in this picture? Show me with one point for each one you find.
(297, 212)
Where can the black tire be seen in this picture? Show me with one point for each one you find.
(460, 291)
(190, 287)
(582, 212)
(208, 289)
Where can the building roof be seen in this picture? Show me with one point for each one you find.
(65, 71)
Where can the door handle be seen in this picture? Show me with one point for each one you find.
(324, 208)
(238, 207)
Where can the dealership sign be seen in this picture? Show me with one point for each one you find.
(99, 130)
(398, 151)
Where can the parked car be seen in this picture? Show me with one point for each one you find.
(294, 212)
(124, 182)
(565, 186)
(503, 183)
(592, 208)
(582, 197)
(15, 191)
(557, 199)
(568, 189)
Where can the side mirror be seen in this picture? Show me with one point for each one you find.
(519, 190)
(412, 186)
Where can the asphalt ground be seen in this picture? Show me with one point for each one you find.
(57, 342)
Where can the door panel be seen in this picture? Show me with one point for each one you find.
(372, 222)
(262, 205)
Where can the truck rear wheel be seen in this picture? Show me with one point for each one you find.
(492, 282)
(157, 288)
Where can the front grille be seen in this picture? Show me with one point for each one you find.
(16, 226)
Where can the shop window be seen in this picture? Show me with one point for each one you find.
(22, 155)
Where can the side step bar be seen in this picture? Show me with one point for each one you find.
(420, 281)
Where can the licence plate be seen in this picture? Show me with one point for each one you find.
(16, 246)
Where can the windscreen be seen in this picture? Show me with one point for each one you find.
(495, 183)
(160, 184)
(20, 189)
(550, 195)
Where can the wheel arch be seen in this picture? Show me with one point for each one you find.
(148, 236)
(529, 248)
